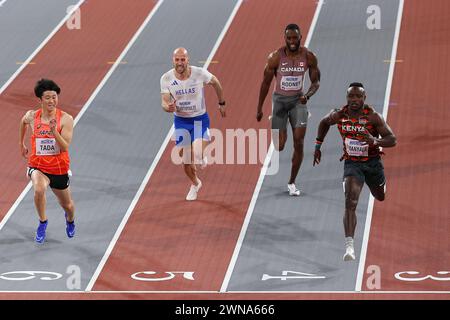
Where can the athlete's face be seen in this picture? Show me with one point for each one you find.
(292, 38)
(355, 98)
(49, 100)
(180, 62)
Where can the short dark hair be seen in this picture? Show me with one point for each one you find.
(356, 84)
(292, 26)
(45, 85)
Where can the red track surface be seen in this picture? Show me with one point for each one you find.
(77, 60)
(166, 233)
(410, 230)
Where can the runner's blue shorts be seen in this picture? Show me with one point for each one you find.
(189, 129)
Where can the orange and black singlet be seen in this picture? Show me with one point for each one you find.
(45, 151)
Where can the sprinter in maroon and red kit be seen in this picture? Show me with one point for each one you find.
(363, 132)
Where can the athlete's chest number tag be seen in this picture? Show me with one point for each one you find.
(46, 147)
(291, 83)
(148, 275)
(356, 148)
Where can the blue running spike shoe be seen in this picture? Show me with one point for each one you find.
(40, 232)
(70, 228)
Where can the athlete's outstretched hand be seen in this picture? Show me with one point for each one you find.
(222, 111)
(259, 116)
(317, 157)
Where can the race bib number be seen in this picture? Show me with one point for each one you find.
(186, 107)
(356, 148)
(291, 83)
(46, 147)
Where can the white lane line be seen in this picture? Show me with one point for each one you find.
(251, 207)
(11, 79)
(362, 259)
(154, 163)
(2, 2)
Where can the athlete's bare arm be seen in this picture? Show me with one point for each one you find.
(329, 120)
(215, 83)
(314, 76)
(167, 103)
(387, 139)
(65, 137)
(270, 70)
(24, 123)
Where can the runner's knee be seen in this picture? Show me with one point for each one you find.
(68, 206)
(281, 144)
(39, 190)
(351, 201)
(198, 154)
(298, 144)
(280, 147)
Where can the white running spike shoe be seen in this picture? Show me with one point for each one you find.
(192, 194)
(349, 252)
(293, 191)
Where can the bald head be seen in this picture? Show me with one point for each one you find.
(180, 51)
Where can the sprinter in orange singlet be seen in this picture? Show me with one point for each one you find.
(49, 162)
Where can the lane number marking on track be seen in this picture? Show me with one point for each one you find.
(29, 275)
(188, 275)
(400, 276)
(295, 275)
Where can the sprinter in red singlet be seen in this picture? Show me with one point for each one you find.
(363, 132)
(289, 65)
(48, 162)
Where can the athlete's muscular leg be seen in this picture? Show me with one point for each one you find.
(297, 156)
(353, 189)
(279, 137)
(199, 146)
(188, 164)
(40, 183)
(205, 143)
(378, 192)
(191, 172)
(66, 202)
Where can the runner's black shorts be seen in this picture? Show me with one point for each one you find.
(370, 171)
(59, 182)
